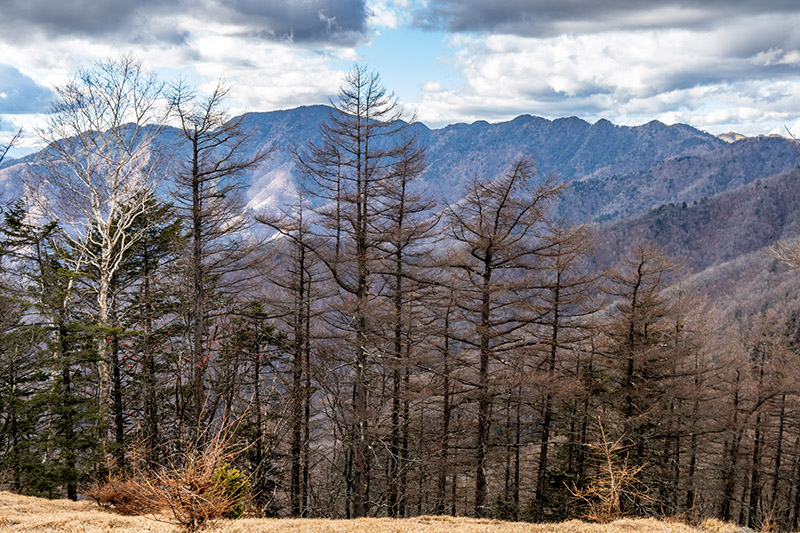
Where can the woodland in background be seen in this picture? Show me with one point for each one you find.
(372, 352)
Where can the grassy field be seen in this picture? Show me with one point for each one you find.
(26, 514)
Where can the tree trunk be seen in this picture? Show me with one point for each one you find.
(753, 516)
(151, 412)
(444, 442)
(776, 473)
(517, 437)
(732, 455)
(103, 371)
(198, 314)
(119, 414)
(404, 451)
(547, 415)
(307, 398)
(484, 399)
(298, 395)
(67, 421)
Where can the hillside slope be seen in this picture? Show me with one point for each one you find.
(723, 240)
(28, 514)
(716, 228)
(680, 179)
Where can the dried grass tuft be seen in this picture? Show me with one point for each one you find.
(712, 525)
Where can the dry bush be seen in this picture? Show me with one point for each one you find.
(189, 490)
(127, 496)
(768, 523)
(613, 481)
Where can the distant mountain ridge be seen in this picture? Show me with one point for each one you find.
(614, 171)
(570, 148)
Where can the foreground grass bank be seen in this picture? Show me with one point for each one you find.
(27, 514)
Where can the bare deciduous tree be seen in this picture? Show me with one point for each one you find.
(10, 144)
(103, 163)
(357, 154)
(496, 228)
(215, 152)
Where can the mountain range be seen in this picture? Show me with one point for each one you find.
(717, 201)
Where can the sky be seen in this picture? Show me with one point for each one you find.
(718, 65)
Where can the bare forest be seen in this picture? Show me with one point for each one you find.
(365, 350)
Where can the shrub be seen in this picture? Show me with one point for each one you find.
(189, 488)
(196, 488)
(235, 486)
(614, 481)
(126, 496)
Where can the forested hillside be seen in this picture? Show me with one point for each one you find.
(680, 179)
(293, 285)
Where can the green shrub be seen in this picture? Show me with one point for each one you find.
(235, 486)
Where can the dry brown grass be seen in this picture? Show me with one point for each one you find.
(29, 515)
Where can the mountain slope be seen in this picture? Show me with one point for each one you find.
(715, 229)
(723, 240)
(680, 179)
(571, 148)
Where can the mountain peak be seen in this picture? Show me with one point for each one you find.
(731, 137)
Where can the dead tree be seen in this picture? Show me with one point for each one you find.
(345, 172)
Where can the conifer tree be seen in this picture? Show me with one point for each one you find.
(215, 152)
(497, 229)
(346, 170)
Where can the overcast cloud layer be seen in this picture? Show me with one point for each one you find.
(718, 65)
(549, 18)
(334, 21)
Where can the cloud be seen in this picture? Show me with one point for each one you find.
(274, 76)
(21, 18)
(273, 54)
(546, 18)
(630, 76)
(20, 94)
(713, 64)
(341, 22)
(338, 22)
(388, 13)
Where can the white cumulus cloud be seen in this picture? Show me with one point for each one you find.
(712, 76)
